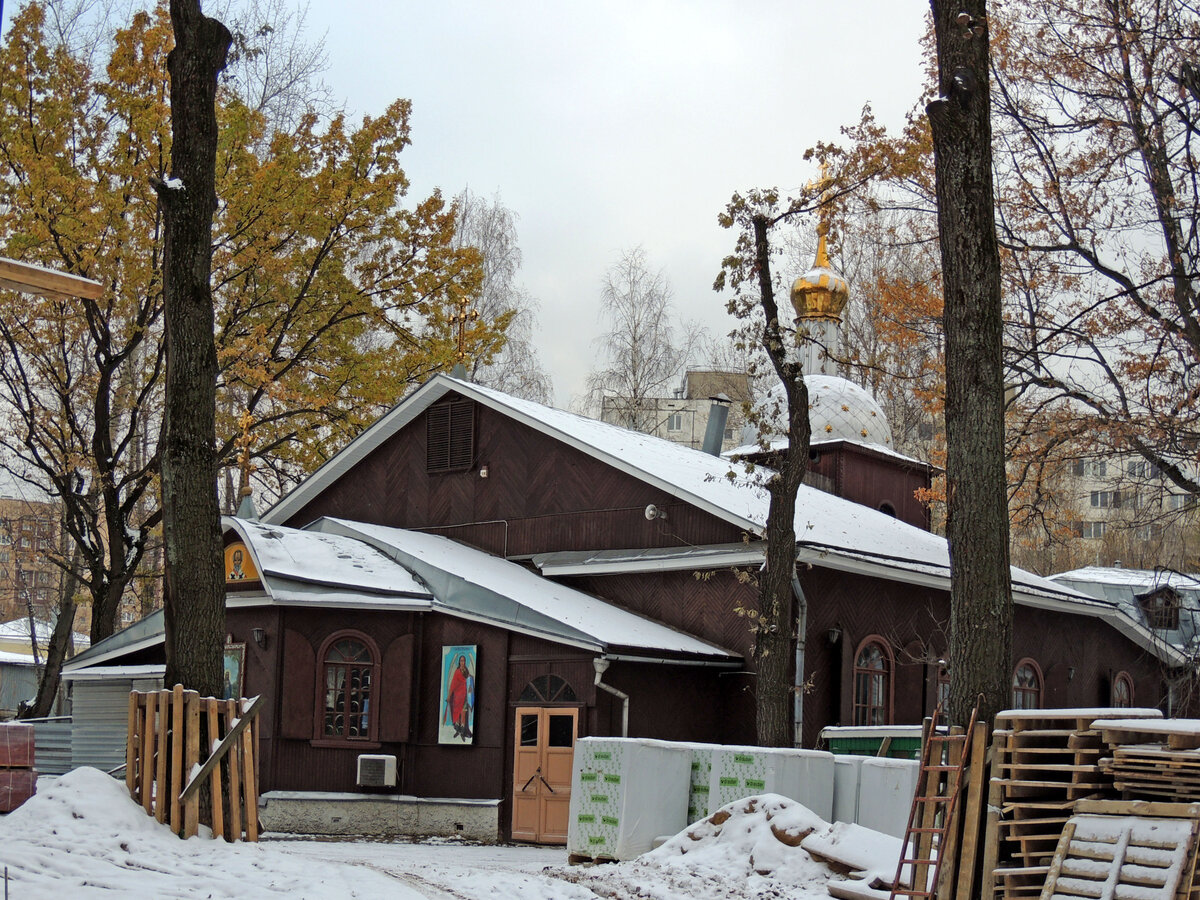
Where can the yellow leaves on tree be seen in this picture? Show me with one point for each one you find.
(332, 296)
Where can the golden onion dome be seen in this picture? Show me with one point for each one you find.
(820, 293)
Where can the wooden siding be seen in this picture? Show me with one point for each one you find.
(916, 624)
(872, 480)
(540, 495)
(704, 606)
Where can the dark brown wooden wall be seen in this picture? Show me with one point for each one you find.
(667, 701)
(868, 479)
(540, 495)
(915, 623)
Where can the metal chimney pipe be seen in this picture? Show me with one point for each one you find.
(718, 414)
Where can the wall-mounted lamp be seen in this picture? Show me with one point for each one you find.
(835, 634)
(483, 471)
(260, 637)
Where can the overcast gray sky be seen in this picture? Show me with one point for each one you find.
(606, 125)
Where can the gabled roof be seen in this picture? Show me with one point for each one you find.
(827, 527)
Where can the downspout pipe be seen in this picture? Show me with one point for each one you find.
(801, 631)
(600, 664)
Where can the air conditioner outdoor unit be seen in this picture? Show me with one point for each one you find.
(376, 771)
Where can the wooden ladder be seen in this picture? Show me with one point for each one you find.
(944, 756)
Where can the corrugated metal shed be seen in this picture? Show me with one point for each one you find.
(100, 712)
(17, 683)
(52, 744)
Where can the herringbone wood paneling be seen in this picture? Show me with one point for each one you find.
(551, 496)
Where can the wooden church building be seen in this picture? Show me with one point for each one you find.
(477, 580)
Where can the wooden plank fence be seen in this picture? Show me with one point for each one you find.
(164, 769)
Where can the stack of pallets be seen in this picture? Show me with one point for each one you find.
(1154, 760)
(1120, 848)
(1043, 761)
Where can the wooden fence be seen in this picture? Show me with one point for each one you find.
(165, 769)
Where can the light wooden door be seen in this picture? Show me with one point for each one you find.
(543, 755)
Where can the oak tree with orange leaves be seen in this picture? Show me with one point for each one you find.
(332, 295)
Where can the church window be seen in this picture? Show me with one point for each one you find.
(873, 683)
(1122, 691)
(348, 682)
(1027, 685)
(450, 436)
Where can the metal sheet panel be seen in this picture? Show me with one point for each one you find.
(52, 744)
(100, 718)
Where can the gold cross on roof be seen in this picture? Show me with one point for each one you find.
(461, 318)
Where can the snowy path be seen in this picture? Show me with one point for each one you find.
(82, 838)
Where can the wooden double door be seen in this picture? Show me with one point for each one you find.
(543, 756)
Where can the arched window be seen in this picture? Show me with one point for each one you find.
(873, 683)
(1027, 685)
(349, 664)
(1122, 691)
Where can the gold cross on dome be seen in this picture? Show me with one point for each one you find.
(823, 184)
(243, 442)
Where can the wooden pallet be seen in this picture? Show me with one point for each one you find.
(1109, 856)
(1155, 760)
(1043, 763)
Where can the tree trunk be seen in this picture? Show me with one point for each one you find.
(776, 631)
(194, 588)
(60, 643)
(976, 488)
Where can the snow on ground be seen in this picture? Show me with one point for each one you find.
(82, 837)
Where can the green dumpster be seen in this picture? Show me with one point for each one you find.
(903, 741)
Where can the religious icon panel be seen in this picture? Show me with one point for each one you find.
(456, 720)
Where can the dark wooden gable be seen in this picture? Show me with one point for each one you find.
(524, 492)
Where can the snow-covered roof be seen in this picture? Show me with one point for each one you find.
(779, 444)
(1122, 587)
(1139, 579)
(315, 558)
(831, 532)
(335, 563)
(468, 582)
(718, 486)
(18, 630)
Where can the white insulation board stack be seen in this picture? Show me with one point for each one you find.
(701, 778)
(805, 776)
(885, 793)
(625, 792)
(847, 771)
